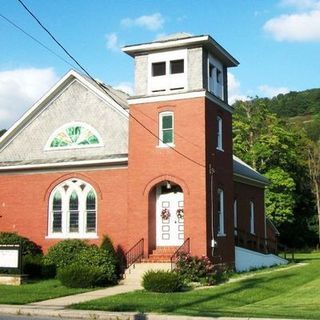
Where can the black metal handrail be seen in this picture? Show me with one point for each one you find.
(184, 248)
(135, 254)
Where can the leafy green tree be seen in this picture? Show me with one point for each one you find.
(2, 132)
(278, 150)
(280, 197)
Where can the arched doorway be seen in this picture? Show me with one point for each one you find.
(169, 214)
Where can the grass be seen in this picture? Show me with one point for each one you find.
(286, 293)
(36, 291)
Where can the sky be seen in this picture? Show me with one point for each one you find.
(276, 41)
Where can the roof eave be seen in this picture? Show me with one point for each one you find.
(203, 40)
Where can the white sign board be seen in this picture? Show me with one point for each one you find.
(9, 258)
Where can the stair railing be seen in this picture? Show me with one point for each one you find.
(184, 248)
(135, 254)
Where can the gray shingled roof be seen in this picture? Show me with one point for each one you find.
(242, 169)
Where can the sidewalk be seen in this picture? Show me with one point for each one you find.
(30, 310)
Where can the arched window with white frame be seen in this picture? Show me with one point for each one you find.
(252, 227)
(166, 129)
(235, 216)
(219, 133)
(220, 211)
(73, 210)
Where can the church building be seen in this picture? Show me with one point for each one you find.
(153, 171)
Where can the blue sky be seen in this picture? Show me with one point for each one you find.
(277, 42)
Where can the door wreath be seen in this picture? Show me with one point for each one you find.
(165, 214)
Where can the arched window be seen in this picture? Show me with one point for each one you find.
(235, 216)
(73, 210)
(166, 129)
(252, 228)
(74, 135)
(219, 134)
(220, 209)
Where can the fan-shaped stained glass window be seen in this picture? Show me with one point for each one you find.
(74, 135)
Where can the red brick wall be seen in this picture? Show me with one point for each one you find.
(149, 165)
(221, 161)
(24, 203)
(244, 194)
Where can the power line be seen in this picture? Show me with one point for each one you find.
(102, 87)
(36, 40)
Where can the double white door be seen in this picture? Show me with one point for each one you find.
(170, 219)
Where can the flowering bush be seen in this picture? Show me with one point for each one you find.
(195, 269)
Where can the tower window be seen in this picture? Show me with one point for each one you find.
(166, 128)
(177, 66)
(158, 69)
(219, 134)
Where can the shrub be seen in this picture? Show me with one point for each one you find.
(64, 253)
(194, 268)
(28, 247)
(81, 276)
(93, 256)
(32, 265)
(162, 281)
(107, 245)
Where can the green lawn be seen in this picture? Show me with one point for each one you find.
(36, 291)
(292, 293)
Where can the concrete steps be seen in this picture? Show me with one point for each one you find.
(133, 275)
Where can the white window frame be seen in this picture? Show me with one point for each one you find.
(161, 116)
(235, 216)
(215, 83)
(219, 133)
(252, 218)
(220, 211)
(65, 219)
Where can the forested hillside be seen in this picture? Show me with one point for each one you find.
(280, 138)
(295, 103)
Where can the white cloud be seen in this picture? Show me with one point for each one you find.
(152, 22)
(234, 92)
(19, 89)
(270, 92)
(301, 4)
(295, 27)
(126, 87)
(303, 25)
(112, 42)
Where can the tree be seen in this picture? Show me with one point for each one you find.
(280, 197)
(2, 132)
(314, 171)
(277, 150)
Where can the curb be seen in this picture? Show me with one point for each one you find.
(60, 312)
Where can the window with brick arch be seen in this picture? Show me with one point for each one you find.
(166, 129)
(72, 210)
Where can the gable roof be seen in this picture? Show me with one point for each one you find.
(116, 99)
(244, 173)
